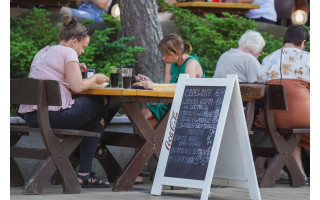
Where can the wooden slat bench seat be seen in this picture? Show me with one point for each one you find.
(282, 141)
(59, 143)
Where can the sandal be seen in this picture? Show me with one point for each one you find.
(103, 154)
(98, 183)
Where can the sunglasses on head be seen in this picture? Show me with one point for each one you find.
(81, 34)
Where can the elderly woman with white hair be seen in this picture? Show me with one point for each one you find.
(242, 60)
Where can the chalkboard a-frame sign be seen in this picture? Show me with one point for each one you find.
(206, 139)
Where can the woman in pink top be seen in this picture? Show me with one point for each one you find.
(60, 62)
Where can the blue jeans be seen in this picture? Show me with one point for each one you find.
(85, 114)
(88, 11)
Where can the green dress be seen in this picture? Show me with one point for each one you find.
(158, 110)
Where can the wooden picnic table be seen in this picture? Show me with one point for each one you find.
(202, 8)
(129, 100)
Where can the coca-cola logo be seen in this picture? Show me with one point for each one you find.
(173, 122)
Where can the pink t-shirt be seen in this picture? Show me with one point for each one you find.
(49, 64)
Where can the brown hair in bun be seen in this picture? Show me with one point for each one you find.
(173, 44)
(71, 29)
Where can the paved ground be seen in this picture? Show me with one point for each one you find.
(142, 191)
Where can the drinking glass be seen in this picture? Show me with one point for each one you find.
(114, 77)
(126, 77)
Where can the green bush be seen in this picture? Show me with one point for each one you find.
(101, 54)
(28, 36)
(211, 36)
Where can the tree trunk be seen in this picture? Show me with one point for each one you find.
(139, 18)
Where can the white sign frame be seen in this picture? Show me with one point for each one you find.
(233, 164)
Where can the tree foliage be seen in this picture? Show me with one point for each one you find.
(28, 36)
(102, 54)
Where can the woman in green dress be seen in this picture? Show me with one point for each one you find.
(175, 52)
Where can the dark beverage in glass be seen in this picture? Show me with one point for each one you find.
(114, 79)
(126, 81)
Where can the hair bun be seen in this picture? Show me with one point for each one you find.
(68, 21)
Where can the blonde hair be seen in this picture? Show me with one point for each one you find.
(173, 44)
(252, 41)
(71, 29)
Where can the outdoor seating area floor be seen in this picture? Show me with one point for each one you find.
(142, 191)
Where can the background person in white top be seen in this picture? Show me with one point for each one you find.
(266, 13)
(242, 60)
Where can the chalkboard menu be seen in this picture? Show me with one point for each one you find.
(194, 132)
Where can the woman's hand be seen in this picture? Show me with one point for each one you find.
(83, 67)
(147, 84)
(100, 78)
(145, 81)
(141, 78)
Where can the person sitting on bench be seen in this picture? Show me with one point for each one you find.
(242, 60)
(290, 66)
(60, 62)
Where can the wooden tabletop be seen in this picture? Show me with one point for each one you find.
(249, 92)
(129, 92)
(211, 7)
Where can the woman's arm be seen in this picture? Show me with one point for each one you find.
(75, 81)
(147, 83)
(167, 74)
(194, 69)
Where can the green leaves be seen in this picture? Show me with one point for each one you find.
(28, 36)
(102, 54)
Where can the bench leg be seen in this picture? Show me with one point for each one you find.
(270, 175)
(285, 160)
(74, 160)
(15, 173)
(48, 168)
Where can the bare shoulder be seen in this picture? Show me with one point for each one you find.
(193, 68)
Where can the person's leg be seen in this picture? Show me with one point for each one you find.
(297, 157)
(89, 145)
(146, 112)
(259, 164)
(82, 112)
(88, 11)
(65, 11)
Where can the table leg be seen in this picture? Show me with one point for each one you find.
(152, 146)
(110, 166)
(126, 179)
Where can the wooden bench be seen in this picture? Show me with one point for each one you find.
(59, 143)
(283, 141)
